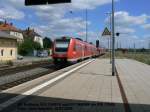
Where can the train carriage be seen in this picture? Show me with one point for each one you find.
(67, 49)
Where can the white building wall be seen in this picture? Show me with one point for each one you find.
(8, 49)
(39, 40)
(18, 35)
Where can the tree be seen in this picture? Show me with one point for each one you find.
(28, 46)
(47, 43)
(142, 50)
(37, 46)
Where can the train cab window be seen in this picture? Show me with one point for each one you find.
(61, 46)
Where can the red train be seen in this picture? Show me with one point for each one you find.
(73, 50)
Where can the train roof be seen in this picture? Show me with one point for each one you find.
(79, 39)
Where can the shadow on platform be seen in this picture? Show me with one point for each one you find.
(49, 104)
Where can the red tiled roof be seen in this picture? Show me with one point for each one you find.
(7, 27)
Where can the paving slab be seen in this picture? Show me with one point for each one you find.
(135, 78)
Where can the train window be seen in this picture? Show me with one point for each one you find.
(78, 47)
(74, 48)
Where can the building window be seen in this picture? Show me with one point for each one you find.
(11, 52)
(2, 52)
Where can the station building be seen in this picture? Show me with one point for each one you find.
(8, 47)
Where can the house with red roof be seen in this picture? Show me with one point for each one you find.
(12, 30)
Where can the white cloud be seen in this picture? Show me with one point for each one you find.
(49, 13)
(58, 11)
(92, 36)
(9, 9)
(13, 3)
(122, 18)
(125, 30)
(54, 16)
(1, 19)
(8, 12)
(124, 22)
(88, 4)
(62, 27)
(146, 26)
(147, 36)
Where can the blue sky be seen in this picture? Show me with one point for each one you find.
(132, 19)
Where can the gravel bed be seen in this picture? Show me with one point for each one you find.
(17, 76)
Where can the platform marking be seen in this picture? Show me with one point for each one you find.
(123, 94)
(37, 88)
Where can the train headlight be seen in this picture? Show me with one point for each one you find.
(74, 52)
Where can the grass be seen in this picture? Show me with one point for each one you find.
(9, 63)
(142, 57)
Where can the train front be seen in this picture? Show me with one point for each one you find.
(60, 49)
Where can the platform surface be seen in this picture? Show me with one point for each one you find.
(135, 78)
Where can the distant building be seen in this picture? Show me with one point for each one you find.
(12, 30)
(8, 46)
(30, 33)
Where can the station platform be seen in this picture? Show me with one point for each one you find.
(89, 88)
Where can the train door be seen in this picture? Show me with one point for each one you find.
(82, 51)
(85, 51)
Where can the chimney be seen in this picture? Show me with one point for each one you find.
(11, 24)
(28, 29)
(5, 22)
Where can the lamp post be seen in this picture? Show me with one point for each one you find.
(149, 46)
(113, 40)
(86, 17)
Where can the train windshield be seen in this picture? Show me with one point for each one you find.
(62, 45)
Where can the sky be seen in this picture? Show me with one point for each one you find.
(132, 20)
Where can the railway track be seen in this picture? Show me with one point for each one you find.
(15, 83)
(11, 70)
(50, 66)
